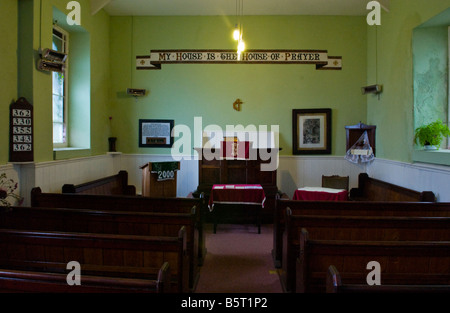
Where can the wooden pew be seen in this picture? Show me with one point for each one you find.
(362, 208)
(28, 281)
(380, 228)
(334, 285)
(127, 203)
(111, 185)
(402, 262)
(108, 222)
(126, 256)
(371, 189)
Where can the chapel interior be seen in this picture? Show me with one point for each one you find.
(325, 97)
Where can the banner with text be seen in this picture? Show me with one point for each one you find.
(319, 58)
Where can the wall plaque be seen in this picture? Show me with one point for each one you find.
(21, 131)
(155, 133)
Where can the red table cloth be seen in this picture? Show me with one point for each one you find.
(236, 194)
(320, 194)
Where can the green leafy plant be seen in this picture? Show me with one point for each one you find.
(431, 134)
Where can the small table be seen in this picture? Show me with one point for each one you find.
(247, 194)
(320, 194)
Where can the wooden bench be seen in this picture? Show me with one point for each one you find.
(334, 285)
(402, 262)
(371, 189)
(28, 281)
(111, 185)
(126, 256)
(108, 222)
(362, 208)
(381, 228)
(127, 203)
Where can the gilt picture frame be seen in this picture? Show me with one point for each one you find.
(311, 131)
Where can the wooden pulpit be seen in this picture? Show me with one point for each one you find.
(159, 179)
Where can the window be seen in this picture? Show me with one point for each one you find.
(430, 50)
(60, 42)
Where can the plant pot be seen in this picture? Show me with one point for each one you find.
(430, 147)
(112, 144)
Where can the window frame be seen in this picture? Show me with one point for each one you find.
(66, 41)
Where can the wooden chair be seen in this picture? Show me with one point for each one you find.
(335, 181)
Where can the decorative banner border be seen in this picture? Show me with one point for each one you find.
(318, 57)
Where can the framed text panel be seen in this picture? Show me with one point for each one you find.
(155, 133)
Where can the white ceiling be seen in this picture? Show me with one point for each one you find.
(228, 7)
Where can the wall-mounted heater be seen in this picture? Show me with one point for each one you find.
(375, 89)
(52, 61)
(136, 92)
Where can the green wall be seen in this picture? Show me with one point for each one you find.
(8, 65)
(381, 54)
(269, 92)
(30, 27)
(390, 63)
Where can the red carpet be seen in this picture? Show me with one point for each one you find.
(238, 260)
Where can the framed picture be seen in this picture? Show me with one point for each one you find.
(155, 133)
(311, 131)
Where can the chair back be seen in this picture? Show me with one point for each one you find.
(335, 181)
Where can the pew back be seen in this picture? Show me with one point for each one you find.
(402, 262)
(107, 255)
(108, 222)
(348, 208)
(126, 203)
(28, 281)
(371, 189)
(334, 285)
(111, 185)
(384, 228)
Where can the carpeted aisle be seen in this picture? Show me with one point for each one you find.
(238, 260)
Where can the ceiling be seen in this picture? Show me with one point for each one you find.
(228, 7)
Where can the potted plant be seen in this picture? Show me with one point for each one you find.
(431, 135)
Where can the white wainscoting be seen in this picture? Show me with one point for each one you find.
(293, 172)
(51, 176)
(416, 176)
(306, 171)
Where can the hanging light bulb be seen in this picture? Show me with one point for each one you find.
(241, 45)
(236, 33)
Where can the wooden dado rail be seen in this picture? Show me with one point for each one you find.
(108, 222)
(111, 185)
(105, 255)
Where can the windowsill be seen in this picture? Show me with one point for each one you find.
(441, 157)
(70, 152)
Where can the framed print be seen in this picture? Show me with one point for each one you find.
(155, 133)
(311, 131)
